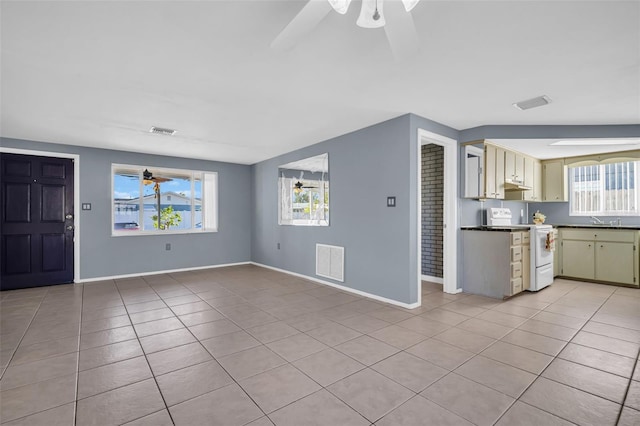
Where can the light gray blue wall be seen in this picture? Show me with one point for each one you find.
(102, 255)
(380, 242)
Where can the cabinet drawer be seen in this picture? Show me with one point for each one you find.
(516, 254)
(516, 269)
(516, 286)
(525, 238)
(614, 236)
(578, 234)
(516, 238)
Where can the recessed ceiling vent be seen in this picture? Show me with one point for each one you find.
(533, 103)
(162, 131)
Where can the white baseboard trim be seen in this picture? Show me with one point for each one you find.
(431, 279)
(168, 271)
(343, 288)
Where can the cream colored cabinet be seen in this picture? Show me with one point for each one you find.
(578, 259)
(536, 193)
(530, 175)
(607, 255)
(614, 262)
(513, 166)
(493, 172)
(554, 181)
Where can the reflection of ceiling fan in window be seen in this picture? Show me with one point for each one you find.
(299, 186)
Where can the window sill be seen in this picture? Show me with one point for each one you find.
(152, 233)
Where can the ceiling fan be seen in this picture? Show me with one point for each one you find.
(392, 15)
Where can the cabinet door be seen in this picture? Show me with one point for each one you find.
(614, 262)
(554, 181)
(489, 171)
(528, 178)
(509, 165)
(537, 181)
(519, 168)
(578, 260)
(500, 156)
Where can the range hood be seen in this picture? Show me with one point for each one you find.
(515, 185)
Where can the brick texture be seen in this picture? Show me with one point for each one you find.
(432, 209)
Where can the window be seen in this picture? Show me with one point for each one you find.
(604, 189)
(152, 200)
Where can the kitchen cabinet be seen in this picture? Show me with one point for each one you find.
(608, 255)
(494, 172)
(532, 177)
(554, 181)
(614, 262)
(536, 193)
(494, 263)
(578, 259)
(513, 166)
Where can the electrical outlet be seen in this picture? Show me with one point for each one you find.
(167, 246)
(278, 246)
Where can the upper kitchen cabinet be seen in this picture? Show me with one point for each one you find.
(530, 179)
(513, 167)
(494, 157)
(554, 181)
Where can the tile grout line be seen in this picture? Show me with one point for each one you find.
(626, 393)
(554, 358)
(75, 402)
(200, 343)
(35, 312)
(143, 352)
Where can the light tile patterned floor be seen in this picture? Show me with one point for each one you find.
(247, 345)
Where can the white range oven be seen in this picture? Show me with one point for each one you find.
(541, 240)
(541, 243)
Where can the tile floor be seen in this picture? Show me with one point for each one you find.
(246, 345)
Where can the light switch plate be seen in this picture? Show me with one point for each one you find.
(86, 206)
(391, 201)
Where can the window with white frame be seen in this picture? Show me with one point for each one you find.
(155, 200)
(604, 189)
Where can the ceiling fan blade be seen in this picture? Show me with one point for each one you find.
(400, 30)
(305, 21)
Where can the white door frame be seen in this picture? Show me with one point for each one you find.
(76, 198)
(450, 209)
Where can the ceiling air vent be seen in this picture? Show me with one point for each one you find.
(533, 103)
(162, 131)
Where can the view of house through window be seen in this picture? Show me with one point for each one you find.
(172, 200)
(604, 189)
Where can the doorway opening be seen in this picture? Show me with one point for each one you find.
(437, 211)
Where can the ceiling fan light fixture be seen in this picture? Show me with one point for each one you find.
(409, 4)
(340, 6)
(371, 14)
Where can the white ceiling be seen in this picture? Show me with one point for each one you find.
(101, 73)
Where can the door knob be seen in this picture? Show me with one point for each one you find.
(70, 228)
(69, 216)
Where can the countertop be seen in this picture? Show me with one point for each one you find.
(523, 227)
(507, 228)
(589, 226)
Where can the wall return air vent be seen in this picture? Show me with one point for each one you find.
(330, 262)
(162, 131)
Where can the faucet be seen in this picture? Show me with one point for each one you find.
(597, 221)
